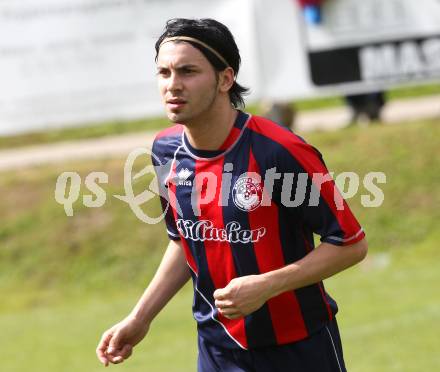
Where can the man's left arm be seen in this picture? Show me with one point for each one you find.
(247, 294)
(335, 225)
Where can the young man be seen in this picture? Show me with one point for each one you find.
(247, 244)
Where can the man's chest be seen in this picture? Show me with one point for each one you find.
(217, 201)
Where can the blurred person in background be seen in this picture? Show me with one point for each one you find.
(366, 106)
(280, 113)
(312, 11)
(259, 300)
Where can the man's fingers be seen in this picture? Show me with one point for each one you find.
(115, 359)
(105, 339)
(118, 356)
(223, 304)
(114, 343)
(102, 347)
(125, 352)
(103, 360)
(220, 294)
(230, 313)
(227, 311)
(101, 356)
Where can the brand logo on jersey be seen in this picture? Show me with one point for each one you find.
(247, 193)
(183, 176)
(204, 230)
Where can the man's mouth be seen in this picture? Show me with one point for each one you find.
(175, 103)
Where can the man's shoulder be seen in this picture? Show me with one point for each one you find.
(275, 133)
(169, 137)
(169, 133)
(167, 141)
(280, 143)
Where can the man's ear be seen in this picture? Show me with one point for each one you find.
(226, 79)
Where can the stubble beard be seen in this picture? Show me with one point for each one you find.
(190, 119)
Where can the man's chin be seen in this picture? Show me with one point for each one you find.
(177, 117)
(173, 117)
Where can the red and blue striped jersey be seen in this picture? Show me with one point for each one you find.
(232, 223)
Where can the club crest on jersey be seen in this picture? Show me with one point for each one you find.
(247, 193)
(183, 176)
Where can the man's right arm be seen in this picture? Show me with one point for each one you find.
(172, 274)
(117, 343)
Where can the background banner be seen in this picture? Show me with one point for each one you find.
(70, 62)
(67, 61)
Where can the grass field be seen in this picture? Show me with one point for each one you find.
(64, 280)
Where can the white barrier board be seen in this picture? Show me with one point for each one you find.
(68, 62)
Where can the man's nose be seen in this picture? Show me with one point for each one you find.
(174, 82)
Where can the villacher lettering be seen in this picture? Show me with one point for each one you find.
(205, 230)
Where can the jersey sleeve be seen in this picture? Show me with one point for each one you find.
(170, 222)
(162, 170)
(323, 209)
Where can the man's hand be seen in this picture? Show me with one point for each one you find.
(241, 296)
(117, 343)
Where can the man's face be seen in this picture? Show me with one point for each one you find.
(187, 82)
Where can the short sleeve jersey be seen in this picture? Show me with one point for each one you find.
(248, 208)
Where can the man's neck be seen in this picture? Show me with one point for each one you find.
(211, 132)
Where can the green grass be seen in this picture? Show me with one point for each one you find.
(414, 91)
(392, 94)
(64, 280)
(390, 310)
(111, 128)
(119, 127)
(63, 337)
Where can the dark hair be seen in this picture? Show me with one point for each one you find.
(218, 37)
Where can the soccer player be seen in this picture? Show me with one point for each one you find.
(243, 198)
